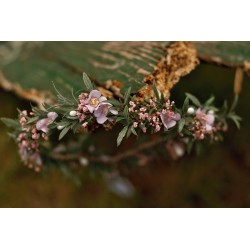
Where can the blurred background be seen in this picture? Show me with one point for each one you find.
(218, 177)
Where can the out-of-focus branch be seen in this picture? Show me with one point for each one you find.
(112, 160)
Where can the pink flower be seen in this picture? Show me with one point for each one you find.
(132, 104)
(24, 112)
(44, 123)
(93, 101)
(143, 109)
(85, 124)
(35, 136)
(208, 119)
(102, 111)
(23, 121)
(135, 124)
(157, 128)
(35, 158)
(169, 119)
(141, 116)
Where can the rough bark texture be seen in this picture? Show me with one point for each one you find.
(180, 60)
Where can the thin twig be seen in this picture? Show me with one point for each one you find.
(111, 159)
(134, 151)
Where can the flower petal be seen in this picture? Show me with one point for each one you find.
(42, 125)
(171, 123)
(52, 115)
(208, 127)
(167, 121)
(102, 99)
(177, 117)
(102, 109)
(90, 108)
(113, 111)
(101, 119)
(95, 94)
(210, 119)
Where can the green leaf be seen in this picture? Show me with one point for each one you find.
(209, 101)
(156, 92)
(129, 131)
(127, 95)
(64, 123)
(181, 124)
(120, 118)
(185, 105)
(193, 99)
(133, 130)
(189, 147)
(88, 85)
(187, 132)
(32, 120)
(126, 113)
(114, 102)
(234, 104)
(12, 136)
(64, 132)
(236, 119)
(11, 123)
(121, 135)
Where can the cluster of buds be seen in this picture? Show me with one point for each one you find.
(28, 139)
(28, 144)
(204, 124)
(146, 115)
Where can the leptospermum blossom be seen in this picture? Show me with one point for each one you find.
(169, 118)
(44, 123)
(208, 119)
(93, 101)
(102, 111)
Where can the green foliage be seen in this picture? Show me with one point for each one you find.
(88, 85)
(193, 99)
(122, 135)
(181, 124)
(127, 95)
(64, 132)
(156, 92)
(185, 105)
(11, 123)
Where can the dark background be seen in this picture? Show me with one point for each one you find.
(218, 177)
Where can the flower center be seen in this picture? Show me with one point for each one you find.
(106, 110)
(94, 102)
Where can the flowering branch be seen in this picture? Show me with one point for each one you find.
(193, 122)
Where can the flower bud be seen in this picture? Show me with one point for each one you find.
(179, 151)
(60, 127)
(84, 161)
(211, 112)
(72, 113)
(190, 110)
